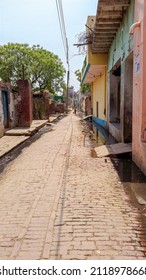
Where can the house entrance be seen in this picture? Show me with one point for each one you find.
(115, 94)
(128, 90)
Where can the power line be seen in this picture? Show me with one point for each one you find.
(63, 23)
(65, 42)
(62, 28)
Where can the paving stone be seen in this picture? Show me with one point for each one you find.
(57, 202)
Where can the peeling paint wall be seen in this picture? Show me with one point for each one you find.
(88, 105)
(122, 45)
(120, 104)
(11, 108)
(139, 88)
(25, 103)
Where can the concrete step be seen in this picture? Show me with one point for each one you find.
(114, 149)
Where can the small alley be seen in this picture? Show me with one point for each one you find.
(57, 202)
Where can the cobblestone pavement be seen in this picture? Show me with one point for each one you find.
(57, 202)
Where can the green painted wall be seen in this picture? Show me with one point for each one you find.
(122, 45)
(59, 98)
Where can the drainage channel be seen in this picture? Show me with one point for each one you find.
(129, 173)
(125, 167)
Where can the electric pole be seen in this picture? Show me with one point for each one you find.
(68, 74)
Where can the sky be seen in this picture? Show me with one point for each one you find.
(36, 22)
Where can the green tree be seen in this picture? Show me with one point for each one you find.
(83, 87)
(43, 68)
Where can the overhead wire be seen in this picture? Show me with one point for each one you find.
(65, 42)
(62, 19)
(61, 26)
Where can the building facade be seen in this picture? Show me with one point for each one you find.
(15, 107)
(120, 78)
(119, 33)
(94, 72)
(138, 31)
(108, 66)
(7, 108)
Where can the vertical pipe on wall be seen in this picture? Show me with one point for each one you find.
(105, 90)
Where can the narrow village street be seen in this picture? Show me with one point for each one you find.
(58, 202)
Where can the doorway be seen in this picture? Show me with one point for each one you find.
(5, 108)
(115, 93)
(128, 97)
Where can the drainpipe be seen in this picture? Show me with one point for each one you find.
(105, 91)
(132, 28)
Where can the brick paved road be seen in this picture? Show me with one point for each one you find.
(57, 202)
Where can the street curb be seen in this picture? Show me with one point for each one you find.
(12, 148)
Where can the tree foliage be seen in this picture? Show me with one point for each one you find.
(83, 87)
(41, 67)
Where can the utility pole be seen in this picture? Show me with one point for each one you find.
(67, 91)
(65, 43)
(68, 74)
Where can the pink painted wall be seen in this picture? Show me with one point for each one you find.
(139, 87)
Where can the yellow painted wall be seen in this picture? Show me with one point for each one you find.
(99, 95)
(98, 91)
(96, 59)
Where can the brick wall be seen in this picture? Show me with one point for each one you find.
(24, 104)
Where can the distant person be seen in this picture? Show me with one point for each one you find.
(75, 109)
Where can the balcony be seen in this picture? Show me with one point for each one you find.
(109, 16)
